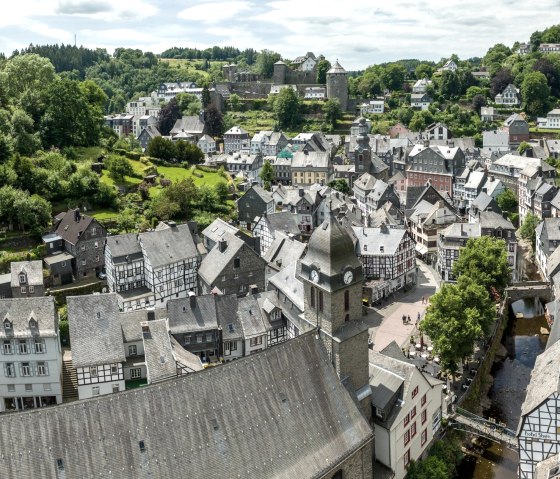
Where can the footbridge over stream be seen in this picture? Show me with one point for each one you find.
(539, 291)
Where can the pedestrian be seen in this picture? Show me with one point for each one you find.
(404, 319)
(423, 300)
(418, 317)
(409, 320)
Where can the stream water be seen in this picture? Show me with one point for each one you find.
(523, 341)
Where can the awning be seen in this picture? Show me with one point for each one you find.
(420, 248)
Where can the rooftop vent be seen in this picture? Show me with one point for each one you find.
(142, 446)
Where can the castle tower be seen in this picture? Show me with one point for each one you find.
(337, 85)
(279, 73)
(332, 277)
(362, 154)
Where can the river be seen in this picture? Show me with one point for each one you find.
(523, 342)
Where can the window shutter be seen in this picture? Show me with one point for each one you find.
(5, 370)
(46, 369)
(31, 346)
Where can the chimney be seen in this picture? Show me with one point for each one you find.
(253, 289)
(151, 314)
(201, 115)
(426, 143)
(192, 299)
(222, 245)
(77, 215)
(301, 192)
(383, 228)
(305, 152)
(171, 224)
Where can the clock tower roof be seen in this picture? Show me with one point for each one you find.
(331, 249)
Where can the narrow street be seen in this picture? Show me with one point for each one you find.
(390, 323)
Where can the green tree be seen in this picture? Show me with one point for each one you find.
(484, 260)
(161, 148)
(267, 174)
(323, 66)
(535, 92)
(214, 121)
(234, 102)
(523, 146)
(424, 71)
(264, 64)
(332, 111)
(393, 76)
(189, 104)
(29, 72)
(420, 120)
(127, 220)
(26, 141)
(341, 185)
(163, 209)
(287, 108)
(168, 115)
(188, 152)
(6, 148)
(222, 192)
(507, 201)
(118, 167)
(430, 468)
(205, 97)
(529, 227)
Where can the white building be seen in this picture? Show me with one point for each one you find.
(315, 93)
(235, 139)
(552, 120)
(30, 375)
(97, 344)
(207, 144)
(421, 85)
(420, 100)
(510, 96)
(373, 107)
(407, 406)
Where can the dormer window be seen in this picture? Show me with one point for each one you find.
(22, 278)
(32, 324)
(7, 325)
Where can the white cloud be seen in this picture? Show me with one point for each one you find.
(214, 12)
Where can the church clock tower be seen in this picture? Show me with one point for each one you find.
(332, 277)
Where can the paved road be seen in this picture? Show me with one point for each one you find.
(389, 325)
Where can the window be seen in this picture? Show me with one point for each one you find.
(413, 412)
(31, 289)
(237, 263)
(132, 351)
(208, 337)
(115, 388)
(39, 346)
(25, 369)
(96, 244)
(47, 387)
(93, 371)
(406, 437)
(346, 300)
(135, 373)
(186, 339)
(10, 370)
(42, 369)
(241, 288)
(95, 391)
(11, 388)
(22, 278)
(83, 262)
(320, 301)
(114, 369)
(312, 298)
(93, 231)
(7, 347)
(423, 400)
(199, 338)
(236, 276)
(406, 420)
(407, 458)
(255, 341)
(414, 392)
(23, 290)
(423, 416)
(413, 430)
(23, 346)
(424, 437)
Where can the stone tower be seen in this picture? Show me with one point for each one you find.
(337, 85)
(332, 277)
(279, 73)
(362, 153)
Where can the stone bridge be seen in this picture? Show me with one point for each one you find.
(539, 291)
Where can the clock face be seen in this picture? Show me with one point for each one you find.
(348, 277)
(314, 276)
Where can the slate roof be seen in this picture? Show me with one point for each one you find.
(20, 311)
(544, 379)
(184, 318)
(551, 226)
(330, 248)
(283, 221)
(555, 202)
(169, 245)
(287, 281)
(217, 430)
(283, 251)
(32, 269)
(216, 230)
(72, 225)
(337, 68)
(151, 131)
(160, 362)
(226, 308)
(95, 340)
(130, 322)
(189, 124)
(462, 230)
(494, 220)
(214, 263)
(375, 239)
(236, 130)
(250, 316)
(311, 159)
(483, 201)
(475, 179)
(124, 245)
(365, 182)
(185, 358)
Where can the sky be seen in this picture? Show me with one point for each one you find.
(357, 32)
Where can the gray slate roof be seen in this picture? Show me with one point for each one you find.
(71, 226)
(122, 246)
(160, 361)
(250, 316)
(226, 307)
(376, 238)
(200, 422)
(189, 124)
(20, 311)
(130, 322)
(215, 230)
(283, 221)
(283, 251)
(184, 318)
(95, 340)
(287, 281)
(168, 245)
(544, 379)
(32, 269)
(215, 261)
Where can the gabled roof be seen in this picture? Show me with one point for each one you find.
(381, 241)
(250, 317)
(494, 220)
(200, 422)
(160, 362)
(95, 330)
(121, 246)
(544, 379)
(337, 68)
(33, 271)
(484, 201)
(72, 225)
(20, 311)
(283, 221)
(130, 322)
(188, 124)
(283, 251)
(311, 159)
(151, 131)
(192, 314)
(365, 182)
(217, 229)
(168, 245)
(288, 282)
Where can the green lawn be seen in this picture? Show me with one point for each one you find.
(89, 153)
(175, 174)
(103, 214)
(189, 65)
(128, 180)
